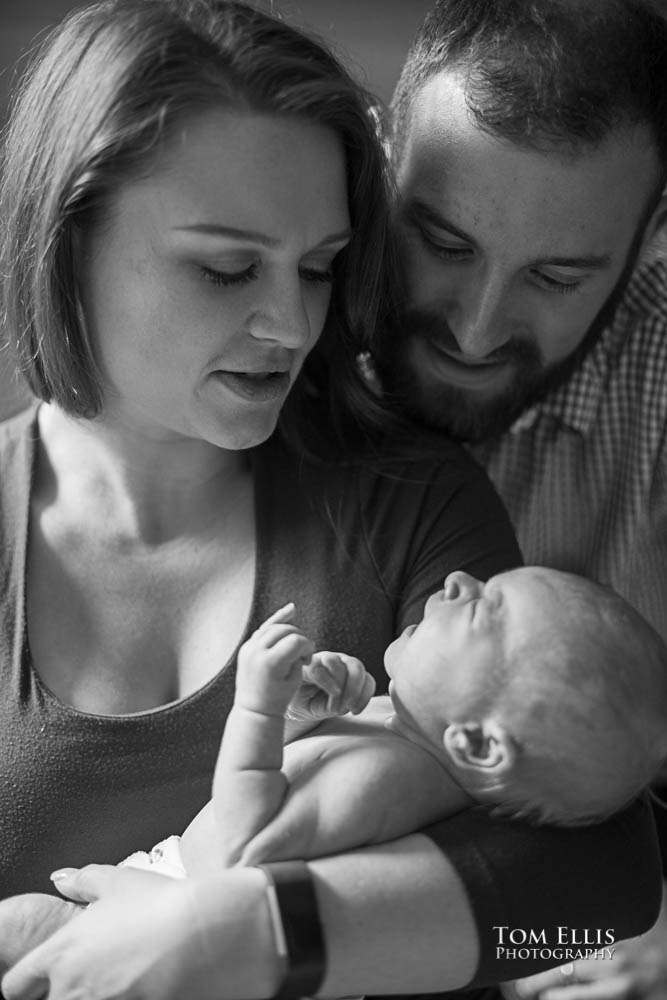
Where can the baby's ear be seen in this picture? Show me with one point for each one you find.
(480, 746)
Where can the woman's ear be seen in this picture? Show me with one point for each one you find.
(480, 746)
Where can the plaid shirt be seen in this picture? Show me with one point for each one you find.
(584, 473)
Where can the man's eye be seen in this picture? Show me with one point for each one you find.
(446, 251)
(563, 286)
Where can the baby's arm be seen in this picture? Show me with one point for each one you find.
(249, 786)
(352, 783)
(277, 678)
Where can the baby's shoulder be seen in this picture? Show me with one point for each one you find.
(366, 734)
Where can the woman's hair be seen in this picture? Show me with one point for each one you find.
(105, 92)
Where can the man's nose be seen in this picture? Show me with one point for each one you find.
(461, 585)
(478, 318)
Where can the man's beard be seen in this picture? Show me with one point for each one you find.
(466, 415)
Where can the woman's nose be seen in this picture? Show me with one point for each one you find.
(461, 585)
(283, 316)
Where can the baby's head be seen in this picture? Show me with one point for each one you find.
(544, 694)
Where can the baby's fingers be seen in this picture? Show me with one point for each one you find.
(359, 687)
(290, 651)
(321, 672)
(343, 678)
(284, 614)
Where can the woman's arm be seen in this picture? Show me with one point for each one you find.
(397, 918)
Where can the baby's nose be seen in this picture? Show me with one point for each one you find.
(461, 584)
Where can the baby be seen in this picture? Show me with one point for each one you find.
(539, 694)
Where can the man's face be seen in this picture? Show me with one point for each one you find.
(513, 257)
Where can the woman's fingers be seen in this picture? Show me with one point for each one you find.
(28, 920)
(137, 923)
(85, 885)
(27, 980)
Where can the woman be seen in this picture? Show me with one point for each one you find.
(194, 253)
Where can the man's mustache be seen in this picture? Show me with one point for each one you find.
(424, 325)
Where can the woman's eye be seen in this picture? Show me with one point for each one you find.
(314, 274)
(230, 278)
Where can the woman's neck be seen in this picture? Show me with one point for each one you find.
(135, 486)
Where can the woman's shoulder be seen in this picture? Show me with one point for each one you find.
(424, 492)
(17, 432)
(392, 478)
(419, 456)
(17, 427)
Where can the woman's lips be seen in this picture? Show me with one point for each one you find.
(256, 387)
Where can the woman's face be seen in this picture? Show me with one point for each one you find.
(210, 282)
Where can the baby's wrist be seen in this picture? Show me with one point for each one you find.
(258, 707)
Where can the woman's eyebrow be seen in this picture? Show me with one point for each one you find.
(254, 235)
(344, 236)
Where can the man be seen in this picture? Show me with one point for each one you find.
(530, 145)
(531, 150)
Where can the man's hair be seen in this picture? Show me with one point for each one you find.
(544, 73)
(104, 93)
(587, 703)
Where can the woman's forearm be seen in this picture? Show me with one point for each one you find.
(396, 919)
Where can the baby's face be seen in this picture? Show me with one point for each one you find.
(440, 667)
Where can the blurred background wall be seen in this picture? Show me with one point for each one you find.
(371, 36)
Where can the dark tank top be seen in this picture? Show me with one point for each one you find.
(358, 552)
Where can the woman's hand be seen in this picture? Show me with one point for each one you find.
(146, 937)
(26, 921)
(637, 970)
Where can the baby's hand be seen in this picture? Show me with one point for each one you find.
(333, 684)
(270, 663)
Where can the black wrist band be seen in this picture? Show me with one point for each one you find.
(297, 928)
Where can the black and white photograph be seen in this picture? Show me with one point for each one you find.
(333, 499)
